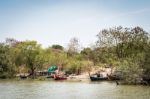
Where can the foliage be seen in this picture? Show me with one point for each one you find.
(128, 46)
(7, 65)
(57, 47)
(126, 49)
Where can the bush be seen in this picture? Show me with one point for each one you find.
(131, 71)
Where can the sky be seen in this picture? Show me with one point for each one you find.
(57, 21)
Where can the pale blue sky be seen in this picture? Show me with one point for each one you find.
(57, 21)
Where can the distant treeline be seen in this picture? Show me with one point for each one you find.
(126, 49)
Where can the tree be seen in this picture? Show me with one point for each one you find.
(127, 42)
(146, 65)
(86, 52)
(56, 46)
(31, 55)
(7, 66)
(11, 42)
(128, 45)
(73, 46)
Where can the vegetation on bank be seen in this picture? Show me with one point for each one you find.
(126, 49)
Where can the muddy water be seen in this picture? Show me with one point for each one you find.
(70, 90)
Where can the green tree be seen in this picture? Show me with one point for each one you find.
(125, 45)
(31, 55)
(7, 66)
(56, 46)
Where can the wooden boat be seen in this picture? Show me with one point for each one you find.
(56, 77)
(113, 77)
(23, 76)
(146, 80)
(97, 77)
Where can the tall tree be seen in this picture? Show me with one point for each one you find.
(30, 51)
(73, 46)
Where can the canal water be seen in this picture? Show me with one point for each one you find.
(70, 90)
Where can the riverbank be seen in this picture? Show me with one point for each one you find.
(78, 78)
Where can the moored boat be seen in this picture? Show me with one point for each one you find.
(146, 80)
(23, 76)
(56, 77)
(98, 78)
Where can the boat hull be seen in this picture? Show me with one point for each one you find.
(98, 78)
(60, 78)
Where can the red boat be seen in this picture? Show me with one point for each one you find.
(56, 77)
